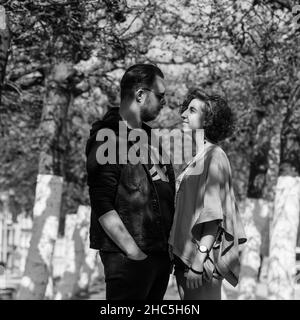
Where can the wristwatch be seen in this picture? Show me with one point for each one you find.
(203, 249)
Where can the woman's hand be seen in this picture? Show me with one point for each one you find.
(193, 280)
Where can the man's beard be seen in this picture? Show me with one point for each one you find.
(147, 115)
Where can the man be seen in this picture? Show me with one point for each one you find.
(132, 204)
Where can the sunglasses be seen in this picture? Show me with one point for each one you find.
(160, 96)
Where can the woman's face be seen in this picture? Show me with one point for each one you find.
(193, 116)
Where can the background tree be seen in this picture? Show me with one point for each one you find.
(61, 53)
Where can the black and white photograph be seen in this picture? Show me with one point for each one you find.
(150, 152)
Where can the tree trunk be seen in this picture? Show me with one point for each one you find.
(255, 217)
(283, 237)
(88, 265)
(80, 262)
(255, 211)
(285, 222)
(273, 162)
(45, 225)
(89, 271)
(68, 279)
(49, 185)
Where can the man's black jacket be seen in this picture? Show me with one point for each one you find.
(129, 190)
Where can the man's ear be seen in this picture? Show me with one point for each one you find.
(139, 95)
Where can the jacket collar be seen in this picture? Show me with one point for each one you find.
(114, 115)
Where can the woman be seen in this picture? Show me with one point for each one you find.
(207, 229)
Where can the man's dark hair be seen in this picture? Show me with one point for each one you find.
(142, 75)
(219, 121)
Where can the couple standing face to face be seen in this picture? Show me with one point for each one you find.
(132, 236)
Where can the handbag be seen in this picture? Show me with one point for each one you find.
(227, 261)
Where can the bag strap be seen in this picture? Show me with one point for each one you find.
(209, 149)
(234, 211)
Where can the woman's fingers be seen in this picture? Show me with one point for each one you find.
(191, 284)
(197, 282)
(188, 283)
(193, 281)
(200, 281)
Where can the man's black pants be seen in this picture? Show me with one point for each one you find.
(128, 279)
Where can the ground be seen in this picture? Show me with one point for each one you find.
(97, 291)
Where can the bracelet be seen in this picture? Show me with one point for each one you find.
(195, 271)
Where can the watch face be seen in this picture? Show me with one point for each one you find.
(203, 249)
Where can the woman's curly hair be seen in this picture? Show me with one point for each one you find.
(219, 121)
